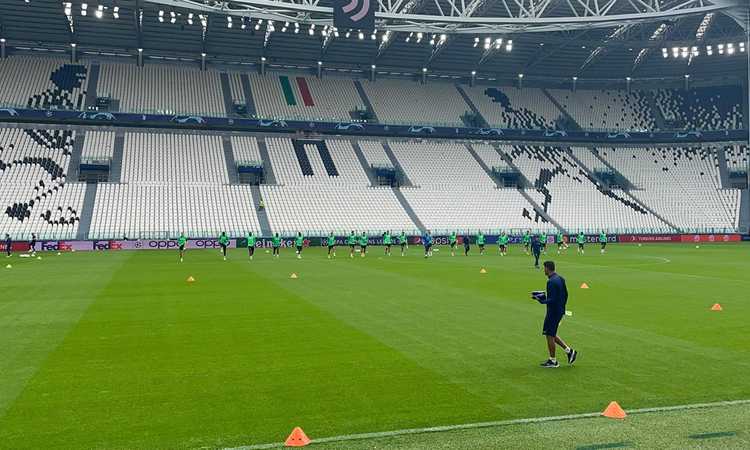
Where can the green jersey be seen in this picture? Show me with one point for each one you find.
(223, 239)
(559, 238)
(581, 238)
(331, 241)
(526, 238)
(480, 239)
(503, 239)
(453, 238)
(352, 239)
(402, 238)
(363, 241)
(543, 238)
(387, 238)
(250, 240)
(276, 241)
(602, 238)
(181, 241)
(299, 240)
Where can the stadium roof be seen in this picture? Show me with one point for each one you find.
(589, 39)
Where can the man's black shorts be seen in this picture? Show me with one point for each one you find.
(182, 247)
(551, 322)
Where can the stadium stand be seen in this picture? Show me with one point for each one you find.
(246, 151)
(48, 83)
(375, 154)
(607, 109)
(162, 89)
(508, 107)
(573, 197)
(164, 210)
(281, 96)
(412, 103)
(453, 192)
(235, 88)
(35, 197)
(175, 158)
(681, 184)
(98, 146)
(702, 108)
(738, 158)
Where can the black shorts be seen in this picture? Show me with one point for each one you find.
(352, 246)
(330, 247)
(427, 247)
(453, 245)
(551, 322)
(223, 246)
(182, 247)
(299, 248)
(364, 248)
(502, 247)
(403, 244)
(580, 245)
(604, 244)
(481, 246)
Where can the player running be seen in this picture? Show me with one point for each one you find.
(181, 241)
(224, 242)
(502, 242)
(467, 244)
(560, 240)
(452, 241)
(299, 242)
(352, 242)
(276, 244)
(580, 239)
(32, 244)
(543, 241)
(8, 245)
(526, 241)
(387, 243)
(403, 242)
(363, 244)
(427, 241)
(331, 245)
(603, 240)
(480, 242)
(251, 245)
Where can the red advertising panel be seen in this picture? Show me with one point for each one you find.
(710, 238)
(637, 238)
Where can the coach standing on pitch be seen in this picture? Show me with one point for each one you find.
(556, 298)
(536, 249)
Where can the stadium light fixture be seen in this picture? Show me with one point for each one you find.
(372, 67)
(99, 13)
(721, 48)
(262, 59)
(116, 12)
(419, 37)
(2, 40)
(84, 9)
(509, 46)
(628, 79)
(161, 16)
(575, 78)
(424, 69)
(348, 33)
(360, 35)
(373, 36)
(730, 49)
(140, 50)
(271, 27)
(709, 50)
(520, 75)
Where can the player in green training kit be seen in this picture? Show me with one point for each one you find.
(526, 241)
(452, 241)
(502, 242)
(351, 241)
(363, 244)
(223, 242)
(331, 245)
(387, 242)
(181, 241)
(603, 240)
(580, 239)
(480, 242)
(276, 244)
(560, 240)
(299, 242)
(403, 243)
(250, 244)
(543, 241)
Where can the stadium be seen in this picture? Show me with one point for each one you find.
(401, 224)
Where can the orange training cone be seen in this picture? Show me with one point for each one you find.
(584, 286)
(293, 275)
(482, 270)
(614, 411)
(716, 307)
(190, 279)
(298, 438)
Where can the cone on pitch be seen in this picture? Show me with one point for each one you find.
(716, 307)
(8, 266)
(190, 279)
(584, 286)
(298, 438)
(39, 257)
(614, 411)
(482, 270)
(293, 275)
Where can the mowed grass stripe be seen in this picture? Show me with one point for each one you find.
(41, 302)
(158, 363)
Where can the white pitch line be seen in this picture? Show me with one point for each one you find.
(499, 423)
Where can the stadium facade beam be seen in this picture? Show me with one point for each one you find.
(458, 16)
(138, 22)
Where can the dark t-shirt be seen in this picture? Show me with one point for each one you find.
(557, 295)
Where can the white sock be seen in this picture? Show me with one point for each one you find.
(567, 349)
(553, 359)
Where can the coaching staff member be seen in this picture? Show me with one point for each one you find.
(555, 298)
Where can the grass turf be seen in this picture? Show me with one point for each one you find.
(116, 350)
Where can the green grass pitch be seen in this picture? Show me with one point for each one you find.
(116, 350)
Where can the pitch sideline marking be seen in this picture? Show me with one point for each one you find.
(499, 423)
